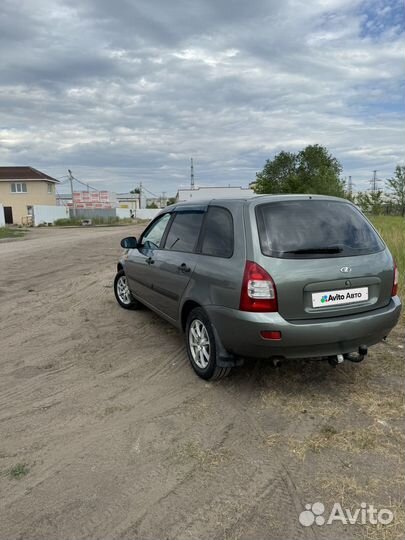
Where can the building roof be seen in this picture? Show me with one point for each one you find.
(24, 173)
(213, 192)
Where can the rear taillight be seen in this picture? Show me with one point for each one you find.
(258, 290)
(394, 291)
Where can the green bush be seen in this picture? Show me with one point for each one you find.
(65, 222)
(77, 221)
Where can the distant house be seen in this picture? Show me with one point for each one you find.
(215, 192)
(129, 200)
(23, 187)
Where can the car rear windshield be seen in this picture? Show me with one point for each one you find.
(313, 229)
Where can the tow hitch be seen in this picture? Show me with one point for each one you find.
(359, 356)
(352, 357)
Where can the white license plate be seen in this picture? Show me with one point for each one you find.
(342, 296)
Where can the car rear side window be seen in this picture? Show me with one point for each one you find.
(314, 229)
(184, 231)
(218, 233)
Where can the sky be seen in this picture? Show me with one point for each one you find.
(127, 91)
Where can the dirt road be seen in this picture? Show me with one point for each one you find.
(105, 431)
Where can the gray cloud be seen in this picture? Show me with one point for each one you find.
(128, 91)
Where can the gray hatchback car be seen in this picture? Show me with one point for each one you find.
(276, 277)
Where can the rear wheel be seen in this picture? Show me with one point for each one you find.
(122, 292)
(201, 346)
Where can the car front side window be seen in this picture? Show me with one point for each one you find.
(153, 237)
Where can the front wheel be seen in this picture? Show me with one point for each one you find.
(122, 292)
(201, 346)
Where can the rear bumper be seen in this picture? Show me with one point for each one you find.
(239, 332)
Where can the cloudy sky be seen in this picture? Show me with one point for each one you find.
(127, 90)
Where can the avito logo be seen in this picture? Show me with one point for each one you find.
(333, 297)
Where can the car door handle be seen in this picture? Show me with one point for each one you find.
(149, 260)
(184, 268)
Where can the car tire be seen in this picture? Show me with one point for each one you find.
(201, 346)
(122, 292)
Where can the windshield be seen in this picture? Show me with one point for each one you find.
(314, 229)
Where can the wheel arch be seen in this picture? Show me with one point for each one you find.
(120, 267)
(188, 306)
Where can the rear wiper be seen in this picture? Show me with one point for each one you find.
(335, 249)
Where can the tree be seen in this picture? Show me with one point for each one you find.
(319, 172)
(397, 187)
(376, 202)
(312, 170)
(152, 205)
(363, 201)
(371, 202)
(171, 200)
(135, 190)
(277, 174)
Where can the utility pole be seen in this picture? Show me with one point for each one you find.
(374, 182)
(192, 174)
(140, 193)
(350, 185)
(71, 189)
(164, 198)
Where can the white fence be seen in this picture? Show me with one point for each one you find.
(123, 213)
(146, 213)
(2, 220)
(43, 214)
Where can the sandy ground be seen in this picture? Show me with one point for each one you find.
(105, 431)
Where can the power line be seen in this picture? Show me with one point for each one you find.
(88, 186)
(374, 182)
(350, 185)
(58, 197)
(85, 185)
(151, 193)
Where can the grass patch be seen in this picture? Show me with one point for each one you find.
(392, 531)
(350, 494)
(112, 220)
(6, 232)
(346, 489)
(382, 406)
(18, 471)
(300, 396)
(375, 438)
(392, 229)
(205, 457)
(387, 362)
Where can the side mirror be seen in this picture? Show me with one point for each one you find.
(130, 242)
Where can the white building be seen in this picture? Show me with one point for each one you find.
(215, 192)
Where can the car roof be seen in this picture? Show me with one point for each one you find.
(253, 200)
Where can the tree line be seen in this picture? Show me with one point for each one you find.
(315, 170)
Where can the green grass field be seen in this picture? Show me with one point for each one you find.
(10, 233)
(392, 229)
